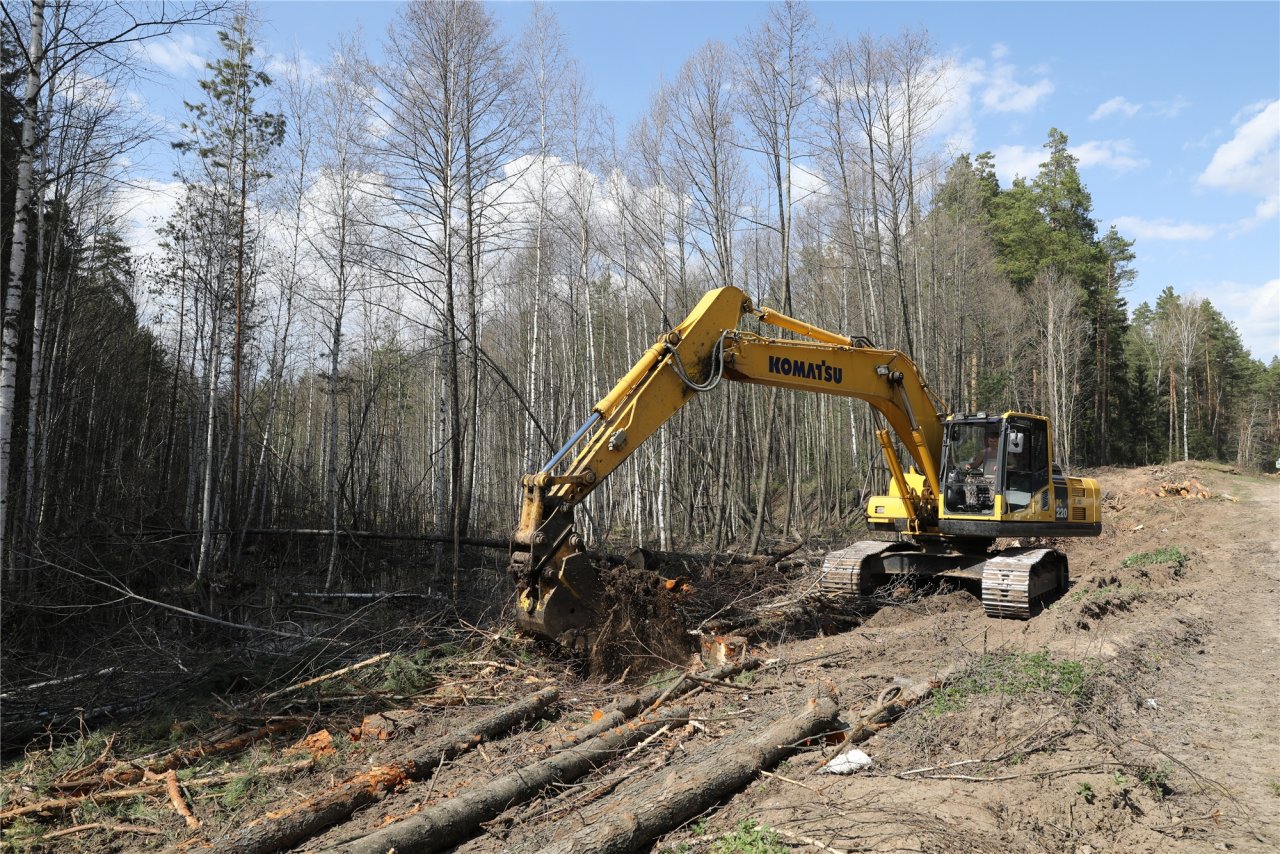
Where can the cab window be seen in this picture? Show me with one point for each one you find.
(1026, 462)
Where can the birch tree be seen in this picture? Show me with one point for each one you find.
(1055, 308)
(445, 82)
(23, 195)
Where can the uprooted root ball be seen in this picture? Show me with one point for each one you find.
(641, 628)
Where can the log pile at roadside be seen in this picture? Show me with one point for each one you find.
(1190, 488)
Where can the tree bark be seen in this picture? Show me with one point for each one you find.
(287, 829)
(17, 263)
(669, 801)
(455, 819)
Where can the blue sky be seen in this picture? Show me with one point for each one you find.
(1172, 108)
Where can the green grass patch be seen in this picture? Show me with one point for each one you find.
(407, 674)
(416, 672)
(750, 838)
(663, 677)
(1016, 674)
(241, 790)
(1156, 779)
(1159, 557)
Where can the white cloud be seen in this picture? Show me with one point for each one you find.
(1118, 104)
(1167, 109)
(999, 50)
(1162, 229)
(953, 92)
(1248, 111)
(176, 54)
(1123, 106)
(1249, 162)
(1017, 160)
(299, 66)
(806, 182)
(1116, 154)
(1255, 311)
(145, 206)
(1003, 94)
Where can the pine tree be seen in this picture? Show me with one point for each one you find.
(232, 139)
(1020, 234)
(1110, 323)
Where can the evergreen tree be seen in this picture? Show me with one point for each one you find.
(232, 139)
(1048, 224)
(1020, 234)
(1112, 404)
(1067, 209)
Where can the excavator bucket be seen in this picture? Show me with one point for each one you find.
(557, 586)
(564, 599)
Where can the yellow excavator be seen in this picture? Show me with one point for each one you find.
(973, 478)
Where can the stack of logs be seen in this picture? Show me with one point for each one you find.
(1186, 489)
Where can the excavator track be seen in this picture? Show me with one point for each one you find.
(1015, 579)
(857, 569)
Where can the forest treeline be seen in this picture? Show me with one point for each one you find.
(391, 287)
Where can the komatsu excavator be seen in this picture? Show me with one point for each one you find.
(974, 478)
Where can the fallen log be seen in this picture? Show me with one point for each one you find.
(450, 822)
(55, 806)
(180, 805)
(286, 828)
(684, 793)
(326, 676)
(102, 825)
(50, 683)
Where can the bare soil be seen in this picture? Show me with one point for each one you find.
(1137, 712)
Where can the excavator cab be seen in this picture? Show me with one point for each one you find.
(989, 457)
(998, 467)
(973, 469)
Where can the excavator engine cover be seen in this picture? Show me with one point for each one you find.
(566, 599)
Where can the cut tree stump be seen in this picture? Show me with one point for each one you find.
(288, 827)
(454, 820)
(681, 794)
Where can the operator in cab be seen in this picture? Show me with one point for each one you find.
(987, 460)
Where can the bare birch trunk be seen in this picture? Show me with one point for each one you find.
(210, 464)
(22, 203)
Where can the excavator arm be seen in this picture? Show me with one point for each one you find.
(558, 590)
